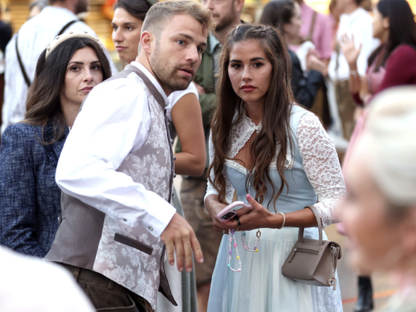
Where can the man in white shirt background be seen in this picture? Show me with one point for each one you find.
(116, 169)
(357, 22)
(33, 37)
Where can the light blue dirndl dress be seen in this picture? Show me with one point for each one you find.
(260, 286)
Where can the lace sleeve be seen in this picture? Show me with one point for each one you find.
(321, 165)
(229, 189)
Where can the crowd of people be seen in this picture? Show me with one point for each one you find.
(275, 115)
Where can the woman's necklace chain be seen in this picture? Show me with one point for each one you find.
(232, 239)
(256, 247)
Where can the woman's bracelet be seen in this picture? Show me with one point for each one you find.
(284, 220)
(354, 73)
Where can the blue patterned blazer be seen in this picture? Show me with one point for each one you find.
(30, 204)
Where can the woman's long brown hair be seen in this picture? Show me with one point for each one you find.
(276, 113)
(43, 103)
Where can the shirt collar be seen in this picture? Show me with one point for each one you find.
(152, 79)
(355, 14)
(58, 10)
(213, 42)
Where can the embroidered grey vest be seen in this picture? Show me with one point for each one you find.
(131, 257)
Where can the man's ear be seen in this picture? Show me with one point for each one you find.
(146, 41)
(238, 5)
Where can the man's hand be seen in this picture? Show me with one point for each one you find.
(180, 236)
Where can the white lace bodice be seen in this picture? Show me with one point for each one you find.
(319, 158)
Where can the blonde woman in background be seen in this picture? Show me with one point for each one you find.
(380, 209)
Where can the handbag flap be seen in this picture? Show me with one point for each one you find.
(304, 259)
(309, 260)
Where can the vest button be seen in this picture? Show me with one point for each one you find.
(124, 219)
(174, 157)
(150, 228)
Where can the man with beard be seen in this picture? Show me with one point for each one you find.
(226, 15)
(23, 51)
(117, 166)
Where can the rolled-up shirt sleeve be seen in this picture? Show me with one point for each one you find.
(114, 121)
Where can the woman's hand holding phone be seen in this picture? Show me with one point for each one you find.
(214, 206)
(230, 212)
(255, 218)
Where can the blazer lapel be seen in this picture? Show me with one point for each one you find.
(54, 150)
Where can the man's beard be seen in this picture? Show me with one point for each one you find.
(166, 73)
(226, 21)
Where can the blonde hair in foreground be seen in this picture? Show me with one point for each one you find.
(162, 12)
(391, 126)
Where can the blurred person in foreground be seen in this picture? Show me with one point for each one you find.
(30, 199)
(380, 209)
(391, 64)
(117, 167)
(24, 48)
(30, 284)
(184, 111)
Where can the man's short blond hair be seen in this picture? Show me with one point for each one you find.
(162, 12)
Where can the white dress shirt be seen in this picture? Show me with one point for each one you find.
(33, 37)
(114, 120)
(359, 24)
(31, 284)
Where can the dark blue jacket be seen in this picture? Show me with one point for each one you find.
(30, 203)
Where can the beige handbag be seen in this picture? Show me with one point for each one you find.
(311, 261)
